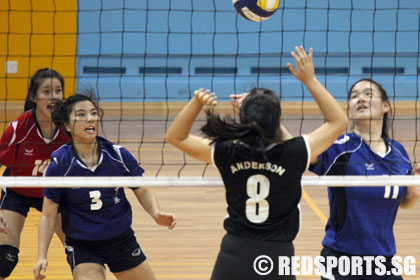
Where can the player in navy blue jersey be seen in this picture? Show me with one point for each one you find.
(261, 173)
(361, 219)
(96, 221)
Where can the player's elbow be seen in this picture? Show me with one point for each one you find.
(341, 123)
(174, 139)
(170, 138)
(411, 197)
(344, 123)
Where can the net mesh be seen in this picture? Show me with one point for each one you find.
(145, 58)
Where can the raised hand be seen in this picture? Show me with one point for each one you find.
(304, 71)
(204, 98)
(237, 99)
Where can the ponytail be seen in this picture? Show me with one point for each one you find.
(259, 121)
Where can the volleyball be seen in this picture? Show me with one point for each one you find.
(256, 10)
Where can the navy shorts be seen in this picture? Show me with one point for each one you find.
(21, 204)
(119, 253)
(238, 255)
(329, 252)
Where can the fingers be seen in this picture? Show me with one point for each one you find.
(199, 91)
(291, 69)
(205, 98)
(295, 56)
(238, 96)
(301, 51)
(172, 221)
(37, 271)
(166, 219)
(44, 267)
(304, 70)
(210, 99)
(237, 99)
(300, 56)
(310, 54)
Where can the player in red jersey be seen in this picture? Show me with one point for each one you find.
(25, 149)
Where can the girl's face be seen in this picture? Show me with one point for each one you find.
(49, 91)
(83, 122)
(366, 103)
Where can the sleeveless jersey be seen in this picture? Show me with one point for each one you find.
(262, 191)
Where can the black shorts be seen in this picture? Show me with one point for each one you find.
(15, 202)
(119, 253)
(325, 252)
(238, 256)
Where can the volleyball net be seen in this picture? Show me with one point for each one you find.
(144, 59)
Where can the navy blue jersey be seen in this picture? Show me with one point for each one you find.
(93, 213)
(263, 192)
(362, 218)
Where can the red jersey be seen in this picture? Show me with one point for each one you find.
(25, 152)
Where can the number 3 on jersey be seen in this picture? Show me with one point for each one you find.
(96, 200)
(257, 208)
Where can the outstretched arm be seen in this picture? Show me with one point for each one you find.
(413, 192)
(149, 202)
(178, 133)
(45, 234)
(335, 117)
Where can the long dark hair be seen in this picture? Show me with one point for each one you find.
(384, 97)
(259, 121)
(62, 111)
(36, 80)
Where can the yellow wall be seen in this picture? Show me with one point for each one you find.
(36, 34)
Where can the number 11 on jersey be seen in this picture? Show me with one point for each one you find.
(394, 193)
(258, 189)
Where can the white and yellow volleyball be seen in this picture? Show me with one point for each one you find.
(256, 10)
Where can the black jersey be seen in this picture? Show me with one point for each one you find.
(263, 190)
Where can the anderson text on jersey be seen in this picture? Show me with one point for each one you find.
(245, 165)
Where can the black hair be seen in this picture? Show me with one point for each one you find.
(259, 121)
(62, 111)
(384, 98)
(36, 80)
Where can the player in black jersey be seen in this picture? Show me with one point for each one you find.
(362, 219)
(261, 173)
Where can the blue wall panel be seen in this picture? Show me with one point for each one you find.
(162, 50)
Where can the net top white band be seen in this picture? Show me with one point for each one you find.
(112, 182)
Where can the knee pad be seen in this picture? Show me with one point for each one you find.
(8, 259)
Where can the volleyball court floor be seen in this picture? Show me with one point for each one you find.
(189, 251)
